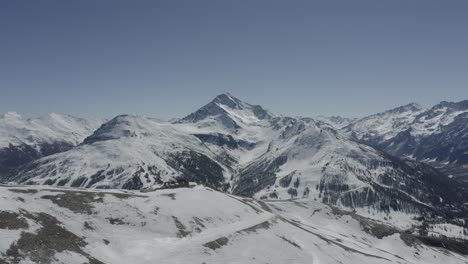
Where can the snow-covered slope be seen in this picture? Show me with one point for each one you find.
(25, 139)
(313, 160)
(199, 225)
(437, 136)
(435, 119)
(385, 125)
(17, 130)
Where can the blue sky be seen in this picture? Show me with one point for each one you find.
(167, 58)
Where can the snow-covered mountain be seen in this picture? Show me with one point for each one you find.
(26, 139)
(383, 126)
(228, 113)
(437, 136)
(129, 152)
(135, 152)
(311, 159)
(200, 225)
(337, 121)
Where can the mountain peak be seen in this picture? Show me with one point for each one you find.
(228, 100)
(229, 110)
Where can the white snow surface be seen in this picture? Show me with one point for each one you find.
(419, 121)
(387, 124)
(431, 124)
(16, 129)
(199, 225)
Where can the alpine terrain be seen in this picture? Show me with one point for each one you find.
(23, 140)
(233, 182)
(437, 136)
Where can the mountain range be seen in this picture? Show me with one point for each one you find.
(402, 169)
(399, 158)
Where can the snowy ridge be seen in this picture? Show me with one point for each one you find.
(441, 115)
(386, 125)
(23, 140)
(16, 130)
(436, 136)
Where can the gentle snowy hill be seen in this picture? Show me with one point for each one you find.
(25, 139)
(51, 225)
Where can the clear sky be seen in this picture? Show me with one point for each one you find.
(167, 58)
